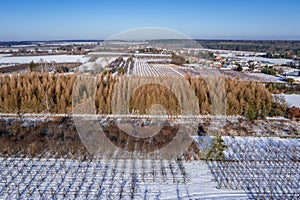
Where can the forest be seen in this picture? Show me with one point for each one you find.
(35, 92)
(277, 48)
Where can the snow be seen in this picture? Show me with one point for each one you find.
(9, 50)
(256, 77)
(119, 116)
(23, 45)
(4, 55)
(270, 60)
(48, 58)
(5, 65)
(265, 77)
(260, 144)
(128, 68)
(153, 55)
(264, 167)
(99, 64)
(227, 55)
(142, 68)
(230, 52)
(109, 179)
(130, 54)
(254, 167)
(70, 43)
(110, 53)
(292, 99)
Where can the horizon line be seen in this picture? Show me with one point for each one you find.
(100, 40)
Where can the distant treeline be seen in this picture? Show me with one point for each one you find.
(14, 43)
(44, 93)
(285, 48)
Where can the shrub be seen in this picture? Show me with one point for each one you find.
(251, 114)
(270, 71)
(33, 66)
(217, 148)
(293, 112)
(239, 68)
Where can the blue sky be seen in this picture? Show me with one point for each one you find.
(95, 19)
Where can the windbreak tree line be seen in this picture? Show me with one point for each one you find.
(45, 93)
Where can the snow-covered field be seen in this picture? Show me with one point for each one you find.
(269, 60)
(5, 65)
(48, 58)
(69, 43)
(99, 64)
(229, 53)
(267, 168)
(108, 179)
(292, 99)
(253, 167)
(142, 68)
(4, 55)
(256, 77)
